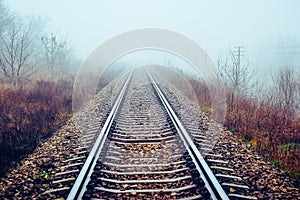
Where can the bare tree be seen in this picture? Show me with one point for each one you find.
(5, 20)
(15, 61)
(22, 50)
(5, 17)
(237, 76)
(56, 53)
(286, 84)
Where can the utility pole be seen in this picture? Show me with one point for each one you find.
(238, 53)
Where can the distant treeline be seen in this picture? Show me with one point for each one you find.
(27, 50)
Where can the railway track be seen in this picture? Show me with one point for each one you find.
(141, 150)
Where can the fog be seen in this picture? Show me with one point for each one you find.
(269, 30)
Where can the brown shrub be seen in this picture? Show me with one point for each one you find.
(271, 130)
(30, 114)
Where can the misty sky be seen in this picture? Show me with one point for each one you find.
(268, 29)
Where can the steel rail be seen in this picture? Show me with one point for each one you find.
(206, 174)
(83, 178)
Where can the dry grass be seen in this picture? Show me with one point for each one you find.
(271, 131)
(29, 114)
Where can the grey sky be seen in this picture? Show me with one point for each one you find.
(265, 27)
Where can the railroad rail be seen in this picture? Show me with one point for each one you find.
(163, 161)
